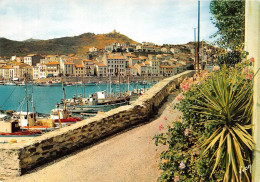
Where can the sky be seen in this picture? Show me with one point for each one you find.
(157, 21)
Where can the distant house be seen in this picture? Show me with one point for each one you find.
(93, 49)
(7, 72)
(52, 69)
(89, 67)
(32, 59)
(168, 70)
(131, 71)
(69, 69)
(50, 58)
(141, 69)
(19, 71)
(113, 47)
(28, 72)
(42, 70)
(80, 70)
(36, 72)
(116, 64)
(165, 50)
(101, 70)
(155, 67)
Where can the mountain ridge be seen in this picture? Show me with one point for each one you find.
(64, 45)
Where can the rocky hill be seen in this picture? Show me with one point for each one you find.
(65, 45)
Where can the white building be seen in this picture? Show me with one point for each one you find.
(116, 63)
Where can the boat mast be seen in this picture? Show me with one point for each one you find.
(84, 89)
(110, 88)
(118, 77)
(27, 100)
(128, 83)
(64, 95)
(33, 107)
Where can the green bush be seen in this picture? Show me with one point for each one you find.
(197, 150)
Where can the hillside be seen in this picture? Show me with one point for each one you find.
(65, 45)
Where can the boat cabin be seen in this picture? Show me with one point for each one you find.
(59, 113)
(8, 125)
(23, 120)
(101, 95)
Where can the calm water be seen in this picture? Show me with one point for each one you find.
(46, 97)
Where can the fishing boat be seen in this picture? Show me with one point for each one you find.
(10, 83)
(9, 126)
(98, 101)
(90, 84)
(61, 116)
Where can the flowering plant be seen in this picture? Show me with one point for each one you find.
(186, 158)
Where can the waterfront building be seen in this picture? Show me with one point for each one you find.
(131, 71)
(42, 70)
(141, 69)
(101, 70)
(36, 72)
(27, 71)
(7, 72)
(168, 70)
(80, 70)
(32, 59)
(148, 64)
(52, 69)
(155, 67)
(19, 70)
(89, 67)
(116, 63)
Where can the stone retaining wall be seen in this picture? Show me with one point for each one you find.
(18, 157)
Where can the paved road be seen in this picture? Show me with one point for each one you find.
(129, 156)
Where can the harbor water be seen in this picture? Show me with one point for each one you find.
(45, 98)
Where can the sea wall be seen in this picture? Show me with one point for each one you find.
(15, 158)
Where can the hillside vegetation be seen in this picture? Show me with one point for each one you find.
(65, 45)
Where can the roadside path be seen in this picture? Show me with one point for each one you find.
(129, 156)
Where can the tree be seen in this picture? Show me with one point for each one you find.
(229, 18)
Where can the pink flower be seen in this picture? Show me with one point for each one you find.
(186, 132)
(165, 118)
(249, 76)
(252, 59)
(195, 151)
(216, 68)
(177, 178)
(182, 165)
(179, 97)
(160, 127)
(190, 80)
(245, 71)
(185, 86)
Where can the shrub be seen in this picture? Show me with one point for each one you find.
(213, 139)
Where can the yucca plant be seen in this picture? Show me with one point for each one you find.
(227, 100)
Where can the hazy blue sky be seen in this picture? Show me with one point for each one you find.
(158, 21)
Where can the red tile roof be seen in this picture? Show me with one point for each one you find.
(52, 63)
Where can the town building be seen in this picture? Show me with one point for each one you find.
(32, 59)
(80, 70)
(116, 63)
(168, 70)
(101, 70)
(89, 67)
(52, 69)
(131, 71)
